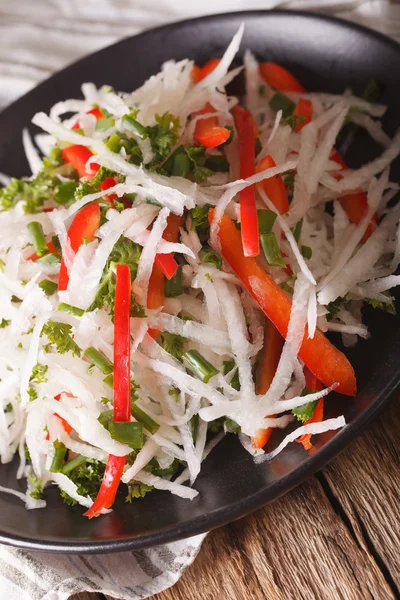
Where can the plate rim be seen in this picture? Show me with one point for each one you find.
(311, 465)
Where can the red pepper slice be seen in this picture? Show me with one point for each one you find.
(122, 386)
(248, 212)
(199, 73)
(83, 227)
(271, 353)
(94, 111)
(279, 78)
(274, 186)
(303, 109)
(106, 184)
(207, 132)
(327, 363)
(78, 156)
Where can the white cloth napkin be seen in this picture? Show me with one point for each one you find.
(38, 38)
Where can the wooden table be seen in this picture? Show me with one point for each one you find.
(337, 536)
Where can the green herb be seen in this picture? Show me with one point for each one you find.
(87, 477)
(164, 135)
(136, 489)
(293, 120)
(288, 284)
(198, 365)
(65, 193)
(48, 287)
(32, 193)
(2, 265)
(173, 344)
(124, 252)
(71, 310)
(266, 220)
(194, 426)
(288, 180)
(271, 250)
(334, 307)
(8, 408)
(173, 287)
(4, 323)
(385, 306)
(372, 92)
(153, 467)
(199, 216)
(180, 165)
(261, 90)
(281, 102)
(211, 257)
(59, 334)
(36, 486)
(305, 412)
(217, 163)
(306, 252)
(39, 241)
(38, 374)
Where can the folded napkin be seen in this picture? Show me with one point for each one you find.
(36, 39)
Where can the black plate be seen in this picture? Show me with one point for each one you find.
(327, 55)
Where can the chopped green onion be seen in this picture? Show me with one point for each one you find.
(72, 464)
(49, 287)
(71, 310)
(218, 163)
(100, 360)
(266, 220)
(147, 422)
(114, 143)
(49, 259)
(271, 250)
(173, 287)
(127, 433)
(297, 230)
(134, 127)
(38, 239)
(65, 192)
(58, 459)
(105, 418)
(180, 165)
(211, 257)
(306, 251)
(199, 365)
(103, 124)
(281, 102)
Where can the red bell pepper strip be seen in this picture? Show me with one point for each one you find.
(274, 186)
(67, 427)
(83, 227)
(94, 111)
(327, 363)
(166, 262)
(78, 156)
(248, 212)
(106, 184)
(199, 73)
(122, 388)
(155, 293)
(303, 109)
(279, 78)
(271, 353)
(52, 249)
(207, 131)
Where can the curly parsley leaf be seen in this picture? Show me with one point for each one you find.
(87, 478)
(137, 490)
(173, 344)
(59, 334)
(36, 486)
(334, 307)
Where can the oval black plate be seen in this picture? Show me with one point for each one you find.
(327, 55)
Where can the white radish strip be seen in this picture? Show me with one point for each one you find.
(252, 80)
(184, 476)
(354, 179)
(312, 313)
(32, 155)
(294, 338)
(283, 405)
(375, 193)
(145, 267)
(4, 179)
(361, 331)
(163, 484)
(57, 219)
(218, 340)
(20, 495)
(289, 236)
(80, 448)
(374, 128)
(145, 455)
(275, 127)
(222, 68)
(313, 428)
(379, 285)
(191, 457)
(246, 442)
(68, 486)
(376, 110)
(31, 358)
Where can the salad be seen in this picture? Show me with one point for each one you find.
(171, 268)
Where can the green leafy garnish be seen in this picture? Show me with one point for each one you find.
(39, 373)
(36, 486)
(87, 477)
(154, 467)
(173, 344)
(137, 490)
(59, 334)
(4, 323)
(334, 307)
(199, 216)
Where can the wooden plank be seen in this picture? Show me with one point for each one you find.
(335, 537)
